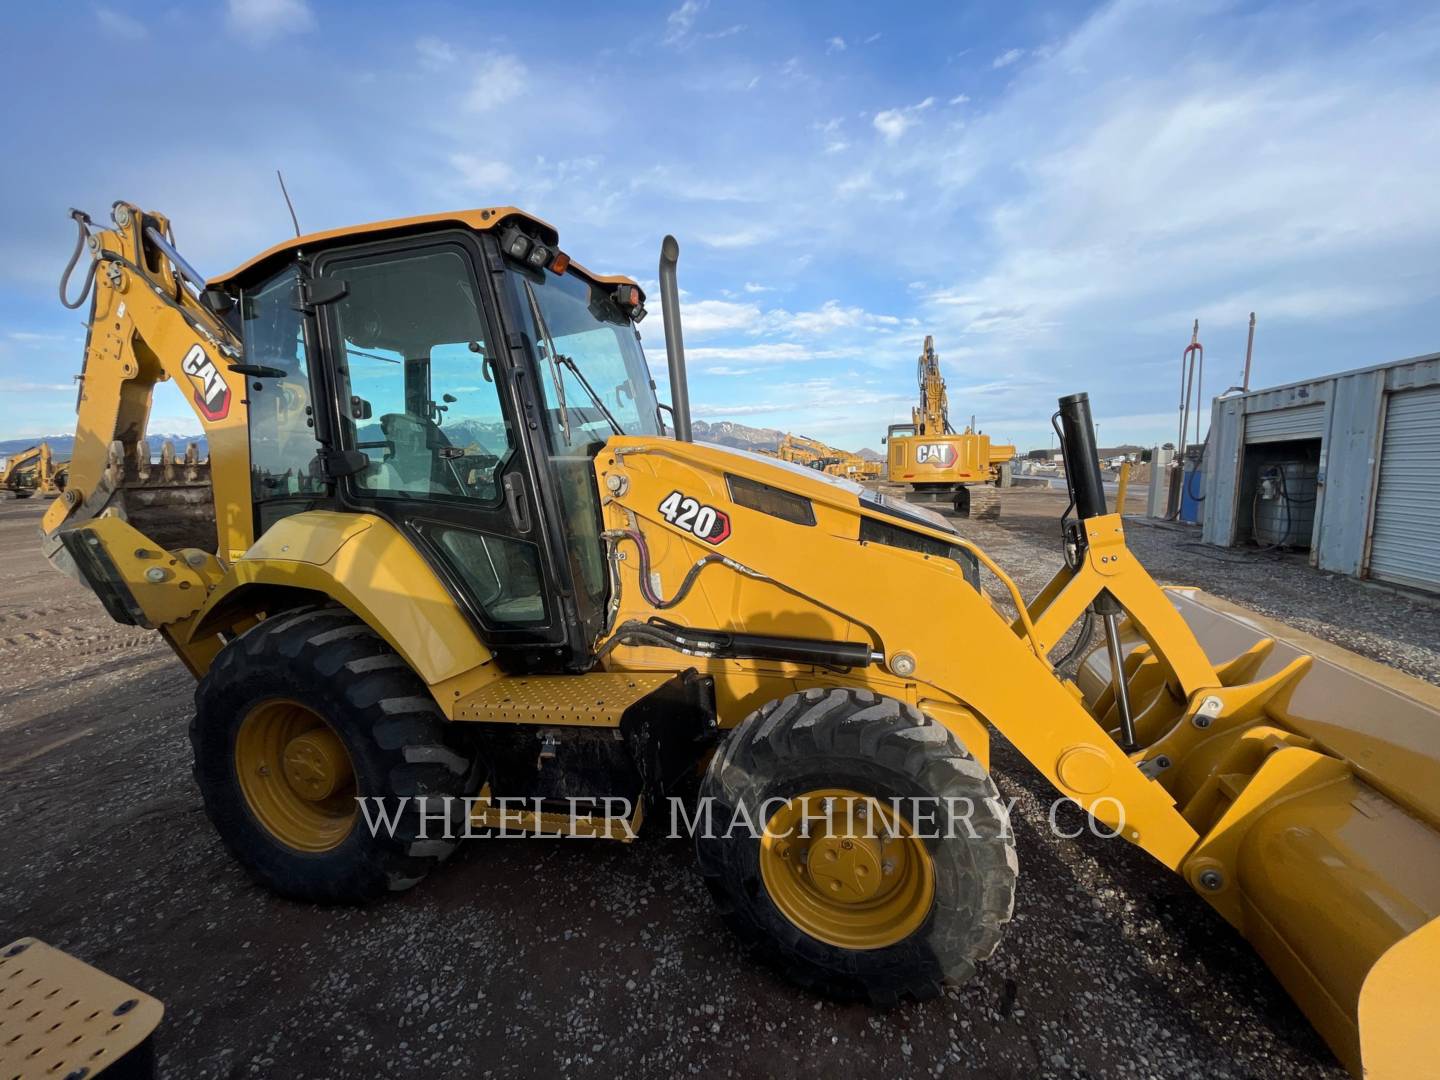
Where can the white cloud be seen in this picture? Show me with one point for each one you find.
(119, 25)
(959, 99)
(894, 123)
(755, 287)
(1008, 57)
(20, 386)
(835, 44)
(435, 53)
(762, 354)
(740, 237)
(259, 21)
(835, 142)
(498, 78)
(713, 316)
(33, 336)
(833, 315)
(872, 39)
(482, 173)
(679, 22)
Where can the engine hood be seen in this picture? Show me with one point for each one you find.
(811, 483)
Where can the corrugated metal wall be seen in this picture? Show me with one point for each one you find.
(1405, 537)
(1278, 425)
(1352, 408)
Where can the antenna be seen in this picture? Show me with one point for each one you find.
(288, 204)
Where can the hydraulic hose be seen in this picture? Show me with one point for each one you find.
(82, 219)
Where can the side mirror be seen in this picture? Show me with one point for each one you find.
(449, 399)
(218, 301)
(884, 439)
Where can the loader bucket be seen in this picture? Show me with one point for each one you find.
(1319, 819)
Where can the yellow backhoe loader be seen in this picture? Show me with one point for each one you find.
(34, 471)
(452, 570)
(933, 463)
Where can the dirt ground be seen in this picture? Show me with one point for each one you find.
(536, 957)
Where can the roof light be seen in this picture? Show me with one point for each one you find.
(638, 313)
(515, 243)
(539, 256)
(561, 262)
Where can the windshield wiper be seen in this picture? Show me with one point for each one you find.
(599, 404)
(557, 358)
(552, 356)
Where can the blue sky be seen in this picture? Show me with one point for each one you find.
(1054, 190)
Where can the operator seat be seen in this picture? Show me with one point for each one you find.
(412, 461)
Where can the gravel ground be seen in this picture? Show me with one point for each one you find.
(529, 957)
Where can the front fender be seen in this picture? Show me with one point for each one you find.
(364, 563)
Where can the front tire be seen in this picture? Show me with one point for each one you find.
(876, 902)
(297, 717)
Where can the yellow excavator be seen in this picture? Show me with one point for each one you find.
(34, 471)
(933, 463)
(814, 454)
(450, 568)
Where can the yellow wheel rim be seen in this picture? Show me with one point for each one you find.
(296, 776)
(846, 869)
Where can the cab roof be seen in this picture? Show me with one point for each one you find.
(480, 220)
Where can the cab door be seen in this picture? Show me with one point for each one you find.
(428, 405)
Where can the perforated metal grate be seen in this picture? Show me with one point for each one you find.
(596, 700)
(61, 1018)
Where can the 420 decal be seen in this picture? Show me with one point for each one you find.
(706, 522)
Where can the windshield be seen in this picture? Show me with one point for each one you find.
(594, 343)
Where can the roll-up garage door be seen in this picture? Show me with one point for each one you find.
(1405, 541)
(1279, 425)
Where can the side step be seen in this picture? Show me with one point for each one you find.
(61, 1017)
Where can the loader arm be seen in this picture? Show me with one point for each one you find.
(1298, 802)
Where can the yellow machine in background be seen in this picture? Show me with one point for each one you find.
(448, 551)
(814, 454)
(959, 470)
(34, 471)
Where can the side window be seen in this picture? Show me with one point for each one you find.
(282, 437)
(424, 408)
(502, 573)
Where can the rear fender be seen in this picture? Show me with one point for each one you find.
(365, 564)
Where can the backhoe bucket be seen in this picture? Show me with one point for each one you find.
(170, 502)
(1317, 804)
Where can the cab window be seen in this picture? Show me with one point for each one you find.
(282, 433)
(424, 407)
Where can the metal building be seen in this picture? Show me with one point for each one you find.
(1346, 466)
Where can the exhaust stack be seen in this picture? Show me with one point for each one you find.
(674, 340)
(1082, 462)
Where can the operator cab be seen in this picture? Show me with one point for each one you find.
(456, 377)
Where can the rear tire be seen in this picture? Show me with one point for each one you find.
(324, 674)
(883, 750)
(962, 502)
